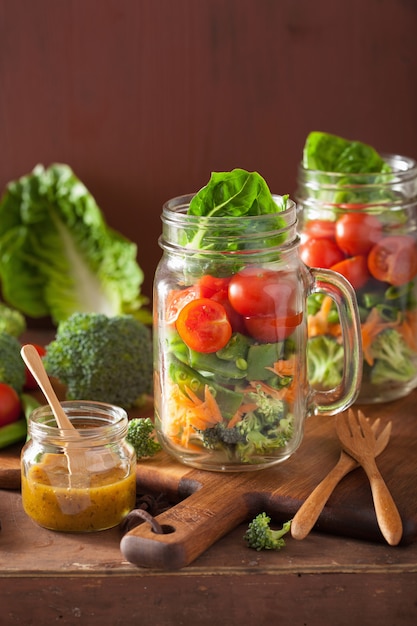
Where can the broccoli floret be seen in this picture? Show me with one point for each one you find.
(12, 321)
(260, 535)
(140, 434)
(393, 358)
(107, 359)
(12, 366)
(220, 434)
(325, 361)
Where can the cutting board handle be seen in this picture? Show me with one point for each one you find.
(190, 527)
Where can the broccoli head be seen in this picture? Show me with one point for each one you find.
(140, 435)
(12, 366)
(12, 321)
(260, 536)
(325, 361)
(107, 359)
(393, 358)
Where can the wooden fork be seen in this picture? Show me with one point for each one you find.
(307, 515)
(358, 440)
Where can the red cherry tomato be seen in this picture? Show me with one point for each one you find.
(319, 229)
(203, 325)
(257, 291)
(30, 382)
(271, 329)
(355, 269)
(210, 286)
(177, 299)
(356, 233)
(10, 407)
(320, 253)
(394, 260)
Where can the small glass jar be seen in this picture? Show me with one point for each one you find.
(83, 481)
(370, 221)
(230, 330)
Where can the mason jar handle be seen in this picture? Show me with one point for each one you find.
(344, 395)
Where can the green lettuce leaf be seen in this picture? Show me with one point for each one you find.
(57, 254)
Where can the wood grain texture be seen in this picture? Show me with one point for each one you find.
(144, 99)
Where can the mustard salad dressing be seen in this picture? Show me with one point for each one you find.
(96, 498)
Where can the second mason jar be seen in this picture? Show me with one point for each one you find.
(365, 227)
(231, 389)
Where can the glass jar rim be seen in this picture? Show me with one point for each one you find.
(400, 164)
(108, 422)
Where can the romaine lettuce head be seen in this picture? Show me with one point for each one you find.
(57, 254)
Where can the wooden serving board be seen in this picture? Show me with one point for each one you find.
(210, 504)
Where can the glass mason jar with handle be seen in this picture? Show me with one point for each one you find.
(365, 227)
(231, 389)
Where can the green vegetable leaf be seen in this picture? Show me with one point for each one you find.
(57, 254)
(330, 153)
(236, 193)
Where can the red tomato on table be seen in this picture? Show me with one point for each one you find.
(10, 407)
(203, 325)
(394, 260)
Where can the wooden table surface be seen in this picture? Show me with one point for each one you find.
(48, 577)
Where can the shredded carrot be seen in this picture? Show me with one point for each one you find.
(242, 410)
(187, 413)
(284, 367)
(318, 324)
(370, 329)
(408, 329)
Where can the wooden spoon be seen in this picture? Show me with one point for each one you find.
(358, 440)
(76, 459)
(307, 515)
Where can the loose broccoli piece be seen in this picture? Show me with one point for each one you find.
(393, 358)
(12, 321)
(140, 434)
(12, 366)
(324, 361)
(260, 535)
(107, 359)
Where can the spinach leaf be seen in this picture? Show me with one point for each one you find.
(330, 153)
(236, 193)
(227, 197)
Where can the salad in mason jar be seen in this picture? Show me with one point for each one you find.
(229, 312)
(358, 213)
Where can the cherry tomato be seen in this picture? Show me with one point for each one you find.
(30, 382)
(266, 329)
(319, 229)
(356, 233)
(10, 407)
(177, 299)
(394, 260)
(210, 286)
(320, 253)
(203, 325)
(355, 269)
(258, 291)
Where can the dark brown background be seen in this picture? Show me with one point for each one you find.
(144, 98)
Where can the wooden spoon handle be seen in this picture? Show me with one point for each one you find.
(387, 514)
(308, 513)
(34, 362)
